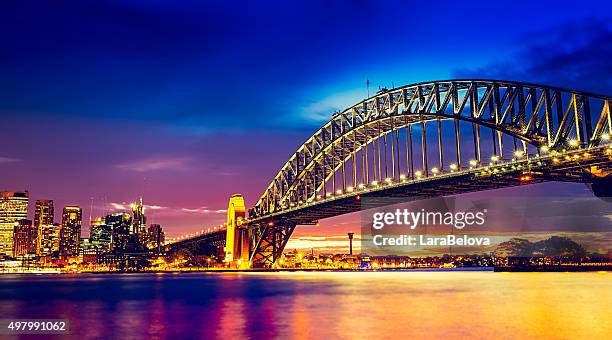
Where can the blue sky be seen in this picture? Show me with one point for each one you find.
(188, 102)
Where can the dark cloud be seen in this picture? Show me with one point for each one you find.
(575, 56)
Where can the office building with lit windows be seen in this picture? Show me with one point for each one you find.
(43, 212)
(156, 237)
(47, 239)
(121, 224)
(139, 222)
(13, 208)
(70, 230)
(24, 238)
(101, 234)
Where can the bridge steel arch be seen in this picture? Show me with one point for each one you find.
(484, 133)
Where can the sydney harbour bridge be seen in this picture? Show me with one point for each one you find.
(420, 141)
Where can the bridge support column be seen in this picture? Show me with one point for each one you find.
(237, 238)
(270, 243)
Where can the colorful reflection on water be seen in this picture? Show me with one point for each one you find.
(319, 304)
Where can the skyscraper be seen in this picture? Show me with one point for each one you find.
(156, 237)
(24, 238)
(47, 232)
(43, 213)
(120, 224)
(101, 234)
(139, 222)
(47, 239)
(70, 230)
(13, 208)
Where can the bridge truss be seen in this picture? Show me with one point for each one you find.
(434, 139)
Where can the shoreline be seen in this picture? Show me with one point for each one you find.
(540, 269)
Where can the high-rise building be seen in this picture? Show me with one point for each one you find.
(70, 230)
(43, 213)
(139, 221)
(47, 239)
(101, 234)
(156, 236)
(24, 238)
(13, 208)
(120, 224)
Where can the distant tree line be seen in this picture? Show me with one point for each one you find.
(553, 246)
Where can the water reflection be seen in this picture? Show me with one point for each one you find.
(305, 305)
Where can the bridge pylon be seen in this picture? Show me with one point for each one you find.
(237, 234)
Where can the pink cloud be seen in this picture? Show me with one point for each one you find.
(9, 160)
(203, 210)
(154, 164)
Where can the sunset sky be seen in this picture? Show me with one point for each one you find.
(188, 102)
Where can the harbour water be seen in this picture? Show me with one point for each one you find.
(375, 305)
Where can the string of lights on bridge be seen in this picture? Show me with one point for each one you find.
(573, 152)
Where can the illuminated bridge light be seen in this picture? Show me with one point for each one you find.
(402, 176)
(605, 136)
(374, 183)
(544, 149)
(519, 153)
(434, 171)
(361, 186)
(453, 167)
(418, 174)
(349, 189)
(339, 192)
(388, 180)
(494, 158)
(573, 143)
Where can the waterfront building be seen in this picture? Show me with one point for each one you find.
(90, 251)
(24, 238)
(70, 230)
(13, 208)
